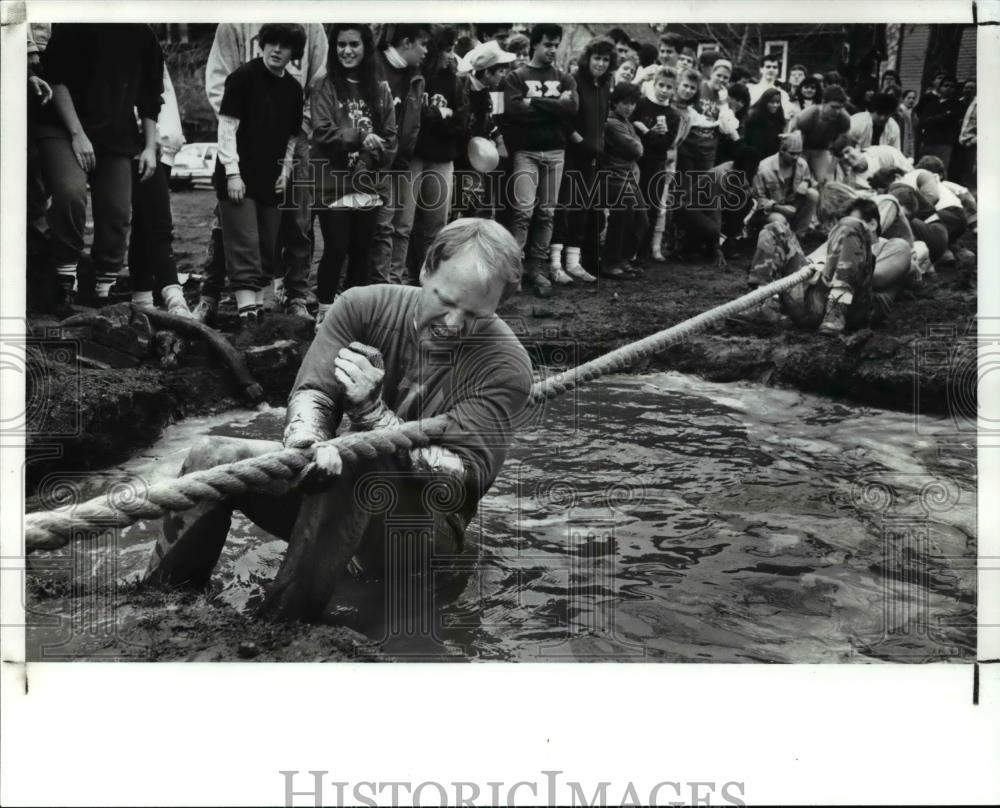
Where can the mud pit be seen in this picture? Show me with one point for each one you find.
(85, 418)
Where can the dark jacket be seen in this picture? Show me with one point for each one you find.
(440, 139)
(595, 101)
(940, 120)
(622, 148)
(341, 166)
(111, 71)
(407, 109)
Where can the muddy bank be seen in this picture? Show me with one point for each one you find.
(85, 413)
(151, 626)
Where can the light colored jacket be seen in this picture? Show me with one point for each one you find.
(863, 128)
(235, 44)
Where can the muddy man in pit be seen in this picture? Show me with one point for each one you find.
(443, 350)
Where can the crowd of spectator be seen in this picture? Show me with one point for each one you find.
(631, 152)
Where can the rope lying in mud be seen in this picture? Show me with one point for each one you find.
(278, 472)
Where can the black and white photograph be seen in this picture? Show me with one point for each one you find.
(461, 340)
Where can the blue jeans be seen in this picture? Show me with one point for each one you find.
(536, 179)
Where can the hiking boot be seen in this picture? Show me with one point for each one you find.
(206, 310)
(296, 307)
(561, 277)
(833, 321)
(543, 286)
(577, 272)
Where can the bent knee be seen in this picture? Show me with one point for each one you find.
(813, 195)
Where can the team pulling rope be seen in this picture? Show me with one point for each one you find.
(278, 472)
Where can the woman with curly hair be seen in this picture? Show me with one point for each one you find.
(354, 136)
(578, 220)
(764, 124)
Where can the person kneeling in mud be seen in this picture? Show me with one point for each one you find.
(858, 273)
(383, 355)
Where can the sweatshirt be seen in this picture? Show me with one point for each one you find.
(536, 116)
(483, 388)
(647, 111)
(406, 85)
(236, 44)
(441, 138)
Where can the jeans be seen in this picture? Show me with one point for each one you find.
(110, 199)
(347, 233)
(249, 237)
(627, 220)
(424, 203)
(536, 179)
(150, 246)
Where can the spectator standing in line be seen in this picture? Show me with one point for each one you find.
(102, 76)
(236, 44)
(909, 123)
(260, 118)
(770, 67)
(627, 218)
(809, 93)
(541, 103)
(150, 248)
(765, 123)
(940, 121)
(490, 64)
(520, 46)
(354, 140)
(444, 119)
(579, 216)
(658, 124)
(401, 50)
(967, 139)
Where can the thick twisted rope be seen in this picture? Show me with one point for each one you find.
(278, 472)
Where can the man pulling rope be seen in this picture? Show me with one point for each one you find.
(384, 355)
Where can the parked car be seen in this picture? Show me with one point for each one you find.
(194, 164)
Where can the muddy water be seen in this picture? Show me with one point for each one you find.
(661, 518)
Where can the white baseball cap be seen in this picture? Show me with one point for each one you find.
(487, 55)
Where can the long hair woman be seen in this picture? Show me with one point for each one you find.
(577, 223)
(764, 124)
(809, 92)
(354, 136)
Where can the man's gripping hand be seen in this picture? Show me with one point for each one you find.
(360, 369)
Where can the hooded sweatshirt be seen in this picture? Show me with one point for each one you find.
(236, 44)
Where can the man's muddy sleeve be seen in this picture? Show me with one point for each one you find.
(343, 324)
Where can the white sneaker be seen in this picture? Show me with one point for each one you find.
(578, 272)
(560, 277)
